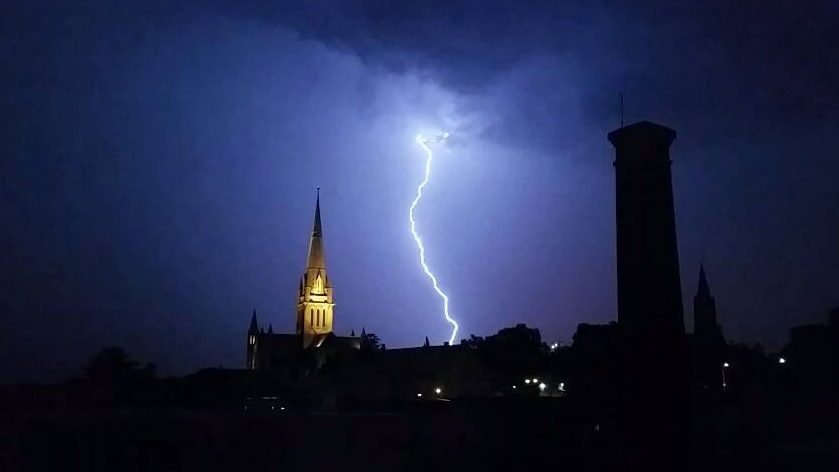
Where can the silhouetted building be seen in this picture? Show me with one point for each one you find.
(653, 407)
(812, 355)
(409, 374)
(707, 341)
(595, 370)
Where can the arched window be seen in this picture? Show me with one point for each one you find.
(319, 318)
(318, 286)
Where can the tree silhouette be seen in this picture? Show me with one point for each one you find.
(513, 352)
(370, 342)
(473, 341)
(114, 371)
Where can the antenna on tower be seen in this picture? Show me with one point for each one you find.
(621, 109)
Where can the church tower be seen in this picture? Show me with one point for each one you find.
(314, 297)
(708, 341)
(253, 338)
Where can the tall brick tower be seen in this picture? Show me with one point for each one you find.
(654, 372)
(649, 286)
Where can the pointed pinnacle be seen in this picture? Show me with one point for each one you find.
(703, 290)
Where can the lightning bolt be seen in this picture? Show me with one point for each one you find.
(424, 142)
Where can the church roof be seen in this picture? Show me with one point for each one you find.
(331, 342)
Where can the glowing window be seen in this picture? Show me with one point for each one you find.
(252, 340)
(318, 286)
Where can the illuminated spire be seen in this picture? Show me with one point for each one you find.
(314, 299)
(316, 231)
(316, 257)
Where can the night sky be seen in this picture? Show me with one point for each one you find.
(159, 166)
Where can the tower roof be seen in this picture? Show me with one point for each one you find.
(641, 132)
(703, 290)
(316, 256)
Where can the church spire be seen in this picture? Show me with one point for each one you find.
(314, 298)
(316, 256)
(703, 290)
(254, 328)
(316, 231)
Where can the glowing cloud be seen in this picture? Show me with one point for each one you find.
(424, 143)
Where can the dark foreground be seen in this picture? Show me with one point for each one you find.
(433, 436)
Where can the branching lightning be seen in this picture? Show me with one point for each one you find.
(424, 142)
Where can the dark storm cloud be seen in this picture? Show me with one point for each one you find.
(708, 65)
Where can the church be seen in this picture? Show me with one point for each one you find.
(313, 338)
(345, 365)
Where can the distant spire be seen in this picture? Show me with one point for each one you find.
(270, 329)
(363, 333)
(703, 290)
(426, 342)
(352, 333)
(254, 328)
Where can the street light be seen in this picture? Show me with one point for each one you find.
(724, 366)
(781, 360)
(438, 390)
(527, 381)
(535, 381)
(542, 387)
